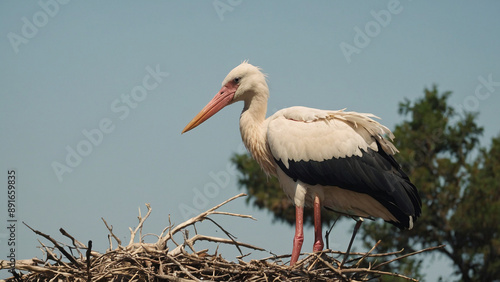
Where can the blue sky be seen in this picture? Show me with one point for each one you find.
(132, 74)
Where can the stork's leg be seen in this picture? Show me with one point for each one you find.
(318, 239)
(356, 227)
(299, 234)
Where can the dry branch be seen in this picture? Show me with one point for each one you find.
(61, 249)
(139, 226)
(110, 229)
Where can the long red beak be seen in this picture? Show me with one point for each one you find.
(220, 100)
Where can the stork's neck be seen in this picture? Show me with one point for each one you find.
(253, 131)
(255, 109)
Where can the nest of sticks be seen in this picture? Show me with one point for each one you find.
(140, 261)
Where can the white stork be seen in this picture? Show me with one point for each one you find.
(338, 160)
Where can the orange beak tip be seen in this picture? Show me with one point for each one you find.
(216, 104)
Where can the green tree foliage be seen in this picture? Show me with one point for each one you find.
(459, 183)
(460, 195)
(477, 219)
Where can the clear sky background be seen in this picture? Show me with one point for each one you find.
(139, 71)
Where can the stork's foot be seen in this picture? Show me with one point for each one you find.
(318, 246)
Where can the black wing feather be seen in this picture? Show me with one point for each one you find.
(374, 173)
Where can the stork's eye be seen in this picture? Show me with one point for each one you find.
(237, 80)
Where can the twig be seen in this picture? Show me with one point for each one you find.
(52, 255)
(89, 249)
(39, 269)
(198, 237)
(275, 257)
(170, 232)
(110, 229)
(73, 240)
(327, 233)
(407, 255)
(371, 250)
(170, 225)
(231, 236)
(182, 268)
(110, 243)
(329, 265)
(354, 232)
(234, 214)
(373, 271)
(139, 226)
(187, 241)
(61, 249)
(361, 254)
(200, 217)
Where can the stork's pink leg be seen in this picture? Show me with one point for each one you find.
(318, 240)
(299, 234)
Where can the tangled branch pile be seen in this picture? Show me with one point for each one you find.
(139, 261)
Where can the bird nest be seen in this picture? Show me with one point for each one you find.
(140, 261)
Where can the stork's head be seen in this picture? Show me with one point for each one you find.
(243, 83)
